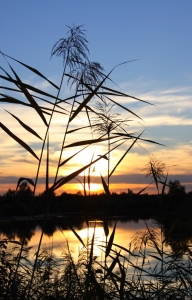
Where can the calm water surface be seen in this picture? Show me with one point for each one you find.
(57, 242)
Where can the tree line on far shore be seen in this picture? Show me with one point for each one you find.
(22, 202)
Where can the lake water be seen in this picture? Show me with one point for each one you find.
(148, 265)
(58, 237)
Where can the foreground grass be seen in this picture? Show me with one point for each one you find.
(147, 269)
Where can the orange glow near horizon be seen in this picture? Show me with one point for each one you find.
(96, 188)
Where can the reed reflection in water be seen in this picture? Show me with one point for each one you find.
(57, 237)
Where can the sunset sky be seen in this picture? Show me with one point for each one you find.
(156, 34)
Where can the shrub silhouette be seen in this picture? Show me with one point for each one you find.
(176, 188)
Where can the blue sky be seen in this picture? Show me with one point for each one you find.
(157, 33)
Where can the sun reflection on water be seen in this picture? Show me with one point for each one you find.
(58, 242)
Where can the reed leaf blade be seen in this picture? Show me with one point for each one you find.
(25, 125)
(105, 186)
(33, 70)
(89, 142)
(110, 243)
(29, 180)
(18, 140)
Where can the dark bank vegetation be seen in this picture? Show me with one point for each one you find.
(18, 203)
(147, 269)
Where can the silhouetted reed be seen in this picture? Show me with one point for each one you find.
(122, 273)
